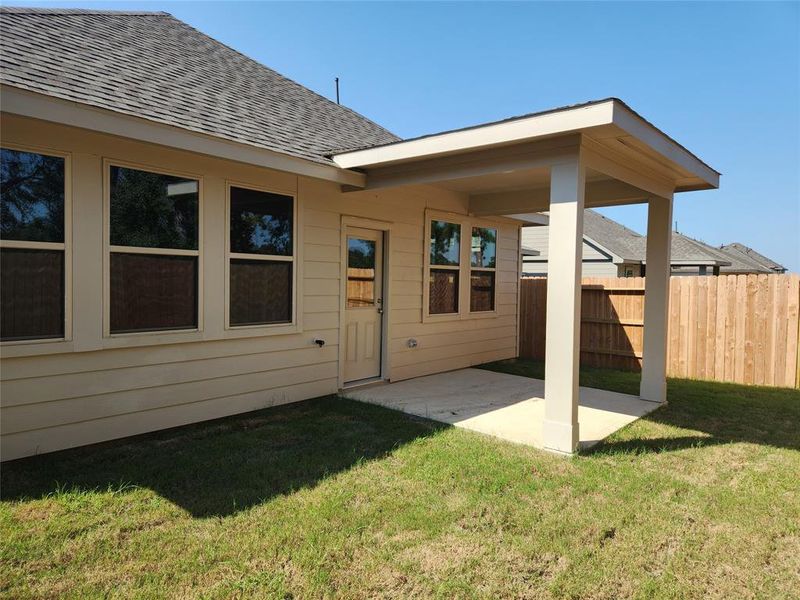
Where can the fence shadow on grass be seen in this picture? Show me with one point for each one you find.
(218, 468)
(720, 413)
(708, 412)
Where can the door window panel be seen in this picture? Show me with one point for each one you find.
(360, 273)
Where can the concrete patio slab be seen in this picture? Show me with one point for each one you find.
(506, 406)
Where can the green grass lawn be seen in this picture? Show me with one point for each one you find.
(332, 498)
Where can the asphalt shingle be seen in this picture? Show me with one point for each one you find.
(742, 256)
(613, 236)
(153, 66)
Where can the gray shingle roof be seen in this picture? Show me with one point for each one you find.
(631, 246)
(686, 250)
(153, 66)
(612, 236)
(739, 253)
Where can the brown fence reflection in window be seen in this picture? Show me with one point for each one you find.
(152, 292)
(360, 287)
(260, 292)
(481, 291)
(443, 286)
(32, 291)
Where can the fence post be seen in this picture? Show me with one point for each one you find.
(797, 369)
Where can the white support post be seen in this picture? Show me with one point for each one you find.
(563, 329)
(656, 300)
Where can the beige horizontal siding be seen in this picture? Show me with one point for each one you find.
(88, 362)
(32, 416)
(100, 430)
(59, 387)
(63, 398)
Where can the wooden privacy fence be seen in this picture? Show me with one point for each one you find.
(737, 328)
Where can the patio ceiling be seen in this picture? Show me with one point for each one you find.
(505, 166)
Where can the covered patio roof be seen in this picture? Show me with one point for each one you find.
(562, 161)
(504, 165)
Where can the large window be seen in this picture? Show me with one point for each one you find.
(154, 251)
(445, 261)
(32, 245)
(460, 268)
(261, 257)
(483, 263)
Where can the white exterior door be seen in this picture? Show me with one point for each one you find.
(363, 305)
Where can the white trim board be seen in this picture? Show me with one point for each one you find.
(49, 108)
(610, 112)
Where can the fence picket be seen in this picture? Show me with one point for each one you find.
(741, 328)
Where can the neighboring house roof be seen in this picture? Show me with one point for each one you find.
(612, 236)
(687, 251)
(627, 246)
(741, 254)
(153, 66)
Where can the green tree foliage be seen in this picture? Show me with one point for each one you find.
(151, 210)
(261, 223)
(31, 197)
(361, 254)
(445, 243)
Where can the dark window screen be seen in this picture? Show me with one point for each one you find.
(443, 291)
(151, 292)
(260, 292)
(32, 292)
(481, 293)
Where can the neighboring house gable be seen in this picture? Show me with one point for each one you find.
(608, 248)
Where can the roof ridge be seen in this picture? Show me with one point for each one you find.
(25, 10)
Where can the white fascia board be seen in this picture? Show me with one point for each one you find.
(66, 112)
(632, 123)
(697, 263)
(532, 219)
(518, 130)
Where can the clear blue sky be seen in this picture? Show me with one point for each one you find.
(721, 78)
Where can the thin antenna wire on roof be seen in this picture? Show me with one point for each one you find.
(676, 223)
(337, 91)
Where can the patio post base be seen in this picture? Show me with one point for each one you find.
(560, 437)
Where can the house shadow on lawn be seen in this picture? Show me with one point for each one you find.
(218, 468)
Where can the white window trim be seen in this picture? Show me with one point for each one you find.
(108, 248)
(65, 246)
(464, 268)
(294, 325)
